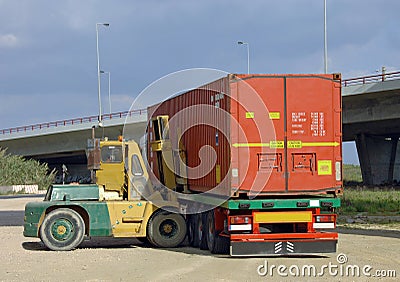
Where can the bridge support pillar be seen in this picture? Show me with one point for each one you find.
(378, 155)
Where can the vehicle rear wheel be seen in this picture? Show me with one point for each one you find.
(202, 231)
(210, 230)
(216, 244)
(62, 230)
(191, 229)
(166, 229)
(221, 245)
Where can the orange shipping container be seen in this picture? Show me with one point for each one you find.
(258, 135)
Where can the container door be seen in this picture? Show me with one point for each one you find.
(313, 133)
(257, 135)
(286, 134)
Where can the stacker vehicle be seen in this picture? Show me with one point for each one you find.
(248, 165)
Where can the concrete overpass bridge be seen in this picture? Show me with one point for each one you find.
(64, 142)
(371, 118)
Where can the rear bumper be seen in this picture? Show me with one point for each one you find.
(283, 247)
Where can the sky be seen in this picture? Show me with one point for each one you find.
(48, 62)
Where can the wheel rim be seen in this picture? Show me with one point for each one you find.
(62, 229)
(168, 228)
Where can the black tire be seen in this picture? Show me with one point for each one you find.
(210, 231)
(166, 229)
(202, 231)
(195, 225)
(191, 229)
(216, 244)
(62, 230)
(221, 245)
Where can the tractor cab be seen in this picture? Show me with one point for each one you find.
(118, 169)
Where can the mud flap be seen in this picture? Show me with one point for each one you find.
(271, 248)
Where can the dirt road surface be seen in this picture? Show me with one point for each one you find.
(25, 259)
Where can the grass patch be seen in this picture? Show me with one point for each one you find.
(371, 202)
(16, 170)
(352, 174)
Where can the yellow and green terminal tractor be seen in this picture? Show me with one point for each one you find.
(112, 207)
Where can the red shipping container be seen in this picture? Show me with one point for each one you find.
(255, 135)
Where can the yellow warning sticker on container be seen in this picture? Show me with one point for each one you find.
(249, 114)
(324, 167)
(218, 174)
(276, 144)
(274, 115)
(294, 144)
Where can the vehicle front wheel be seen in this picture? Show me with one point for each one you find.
(62, 230)
(166, 229)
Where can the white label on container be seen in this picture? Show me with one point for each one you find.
(235, 172)
(318, 124)
(338, 171)
(299, 119)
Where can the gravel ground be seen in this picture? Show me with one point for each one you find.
(25, 259)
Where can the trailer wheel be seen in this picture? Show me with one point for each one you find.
(216, 244)
(191, 229)
(194, 223)
(166, 229)
(210, 230)
(221, 245)
(202, 231)
(62, 230)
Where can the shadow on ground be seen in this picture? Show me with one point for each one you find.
(370, 232)
(124, 243)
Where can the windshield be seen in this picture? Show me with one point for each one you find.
(111, 154)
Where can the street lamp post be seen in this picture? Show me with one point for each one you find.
(325, 41)
(109, 87)
(98, 66)
(248, 54)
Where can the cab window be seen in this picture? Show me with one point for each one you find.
(111, 154)
(137, 169)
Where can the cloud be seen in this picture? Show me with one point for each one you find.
(8, 40)
(15, 111)
(120, 102)
(146, 40)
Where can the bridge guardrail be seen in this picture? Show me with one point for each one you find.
(345, 83)
(71, 121)
(371, 78)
